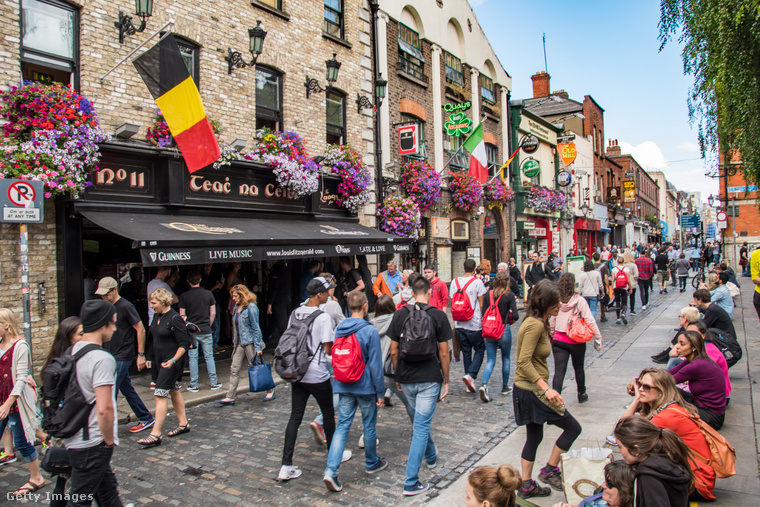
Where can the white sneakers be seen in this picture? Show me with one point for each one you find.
(288, 472)
(346, 456)
(361, 442)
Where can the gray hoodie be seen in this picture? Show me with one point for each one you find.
(382, 323)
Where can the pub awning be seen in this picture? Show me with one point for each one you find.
(168, 239)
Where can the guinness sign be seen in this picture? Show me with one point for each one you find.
(529, 144)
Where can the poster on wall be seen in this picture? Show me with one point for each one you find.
(574, 265)
(555, 243)
(474, 254)
(543, 247)
(441, 227)
(457, 263)
(629, 191)
(443, 256)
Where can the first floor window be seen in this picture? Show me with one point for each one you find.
(334, 17)
(422, 155)
(487, 90)
(457, 155)
(268, 98)
(492, 154)
(336, 118)
(49, 41)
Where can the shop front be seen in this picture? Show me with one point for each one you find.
(535, 234)
(586, 235)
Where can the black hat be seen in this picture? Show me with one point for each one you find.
(95, 314)
(318, 285)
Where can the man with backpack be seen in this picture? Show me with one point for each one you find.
(420, 336)
(601, 266)
(622, 286)
(535, 273)
(466, 294)
(90, 449)
(359, 381)
(301, 358)
(661, 263)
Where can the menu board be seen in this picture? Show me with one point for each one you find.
(443, 256)
(543, 247)
(457, 263)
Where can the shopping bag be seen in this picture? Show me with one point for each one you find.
(583, 471)
(260, 375)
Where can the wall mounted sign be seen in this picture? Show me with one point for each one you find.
(460, 230)
(22, 201)
(564, 178)
(408, 140)
(568, 152)
(464, 106)
(629, 191)
(441, 227)
(458, 124)
(529, 144)
(531, 168)
(538, 232)
(613, 194)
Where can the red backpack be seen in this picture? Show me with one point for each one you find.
(493, 324)
(621, 278)
(461, 309)
(347, 359)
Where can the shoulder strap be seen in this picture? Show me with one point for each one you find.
(468, 283)
(84, 350)
(456, 282)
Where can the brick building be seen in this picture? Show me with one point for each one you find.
(738, 197)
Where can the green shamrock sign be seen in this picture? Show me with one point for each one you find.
(458, 124)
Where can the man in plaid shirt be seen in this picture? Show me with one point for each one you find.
(645, 265)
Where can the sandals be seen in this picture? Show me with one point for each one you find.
(179, 430)
(28, 488)
(150, 441)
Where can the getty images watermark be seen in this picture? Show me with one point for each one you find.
(48, 497)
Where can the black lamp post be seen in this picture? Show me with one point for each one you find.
(143, 9)
(312, 85)
(256, 38)
(711, 200)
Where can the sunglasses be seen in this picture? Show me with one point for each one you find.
(239, 287)
(646, 387)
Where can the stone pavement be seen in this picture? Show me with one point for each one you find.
(609, 373)
(232, 455)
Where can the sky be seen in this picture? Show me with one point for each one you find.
(608, 50)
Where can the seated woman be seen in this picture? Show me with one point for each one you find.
(617, 488)
(712, 350)
(491, 486)
(657, 399)
(707, 385)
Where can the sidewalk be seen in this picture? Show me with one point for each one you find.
(608, 373)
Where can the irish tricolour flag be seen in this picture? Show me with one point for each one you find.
(478, 159)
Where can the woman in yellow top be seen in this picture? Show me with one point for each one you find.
(535, 402)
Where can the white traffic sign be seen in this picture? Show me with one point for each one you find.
(721, 216)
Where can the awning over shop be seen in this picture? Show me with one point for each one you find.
(165, 239)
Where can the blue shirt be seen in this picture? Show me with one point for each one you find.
(393, 280)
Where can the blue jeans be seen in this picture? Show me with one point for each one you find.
(473, 350)
(346, 411)
(124, 384)
(205, 342)
(505, 345)
(673, 362)
(593, 302)
(27, 450)
(422, 399)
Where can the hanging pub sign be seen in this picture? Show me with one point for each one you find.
(450, 108)
(613, 194)
(564, 178)
(529, 144)
(568, 152)
(531, 168)
(408, 140)
(629, 191)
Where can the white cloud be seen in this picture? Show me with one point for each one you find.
(647, 154)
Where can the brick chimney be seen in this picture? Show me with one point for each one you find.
(541, 86)
(613, 149)
(561, 93)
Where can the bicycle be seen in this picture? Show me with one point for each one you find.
(700, 277)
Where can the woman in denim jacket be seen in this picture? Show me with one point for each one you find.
(246, 337)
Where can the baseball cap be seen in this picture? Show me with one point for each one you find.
(318, 285)
(106, 285)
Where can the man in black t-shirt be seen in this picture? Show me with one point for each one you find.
(714, 315)
(424, 383)
(198, 306)
(661, 264)
(350, 280)
(129, 331)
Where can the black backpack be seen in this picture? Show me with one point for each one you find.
(64, 408)
(417, 339)
(292, 356)
(191, 329)
(727, 344)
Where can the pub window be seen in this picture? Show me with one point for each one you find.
(486, 89)
(49, 42)
(190, 54)
(457, 155)
(334, 17)
(336, 118)
(453, 69)
(410, 59)
(421, 132)
(492, 154)
(268, 98)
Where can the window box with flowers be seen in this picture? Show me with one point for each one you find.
(285, 153)
(348, 164)
(466, 192)
(422, 183)
(400, 216)
(51, 135)
(544, 200)
(496, 194)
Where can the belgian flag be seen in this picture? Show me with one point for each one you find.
(164, 72)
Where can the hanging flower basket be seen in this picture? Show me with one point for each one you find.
(422, 184)
(52, 136)
(545, 200)
(466, 192)
(400, 216)
(158, 135)
(348, 164)
(496, 194)
(285, 153)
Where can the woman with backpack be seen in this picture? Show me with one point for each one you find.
(170, 344)
(660, 459)
(535, 402)
(657, 398)
(499, 312)
(622, 285)
(633, 271)
(246, 339)
(564, 346)
(17, 399)
(590, 285)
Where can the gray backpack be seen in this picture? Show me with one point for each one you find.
(292, 356)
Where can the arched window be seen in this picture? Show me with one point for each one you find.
(268, 98)
(335, 103)
(407, 118)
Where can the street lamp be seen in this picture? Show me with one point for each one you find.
(143, 10)
(312, 85)
(711, 200)
(584, 209)
(363, 102)
(256, 38)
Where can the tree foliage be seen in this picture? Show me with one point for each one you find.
(721, 50)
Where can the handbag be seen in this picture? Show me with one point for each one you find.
(260, 376)
(743, 262)
(56, 461)
(583, 471)
(578, 329)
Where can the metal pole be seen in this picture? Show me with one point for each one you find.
(25, 299)
(170, 22)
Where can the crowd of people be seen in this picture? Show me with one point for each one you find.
(354, 362)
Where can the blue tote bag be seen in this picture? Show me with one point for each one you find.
(260, 375)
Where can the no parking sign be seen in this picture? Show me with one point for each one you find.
(21, 201)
